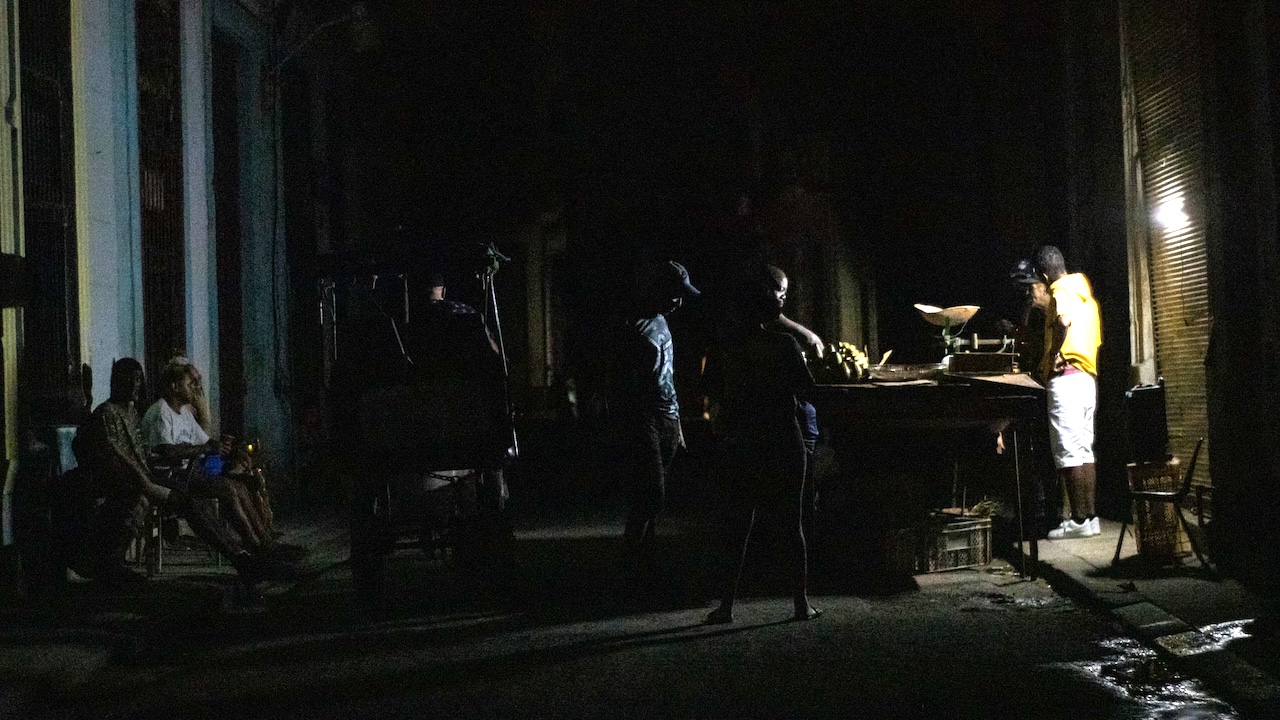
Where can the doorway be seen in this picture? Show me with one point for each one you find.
(51, 317)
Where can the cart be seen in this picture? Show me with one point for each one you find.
(420, 419)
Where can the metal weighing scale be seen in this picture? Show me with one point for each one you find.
(971, 355)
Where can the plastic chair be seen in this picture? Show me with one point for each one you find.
(149, 542)
(1175, 497)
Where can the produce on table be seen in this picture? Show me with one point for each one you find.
(842, 363)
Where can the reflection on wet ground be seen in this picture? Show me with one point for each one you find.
(1003, 601)
(1206, 639)
(1136, 674)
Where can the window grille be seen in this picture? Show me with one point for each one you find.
(164, 305)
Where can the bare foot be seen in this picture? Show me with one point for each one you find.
(807, 612)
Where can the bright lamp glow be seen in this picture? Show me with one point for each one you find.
(1170, 215)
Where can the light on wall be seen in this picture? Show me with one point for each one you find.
(1170, 215)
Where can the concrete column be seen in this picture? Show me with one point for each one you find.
(105, 95)
(197, 176)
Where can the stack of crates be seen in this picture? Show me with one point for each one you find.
(942, 542)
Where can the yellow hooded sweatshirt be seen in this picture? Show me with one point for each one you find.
(1073, 301)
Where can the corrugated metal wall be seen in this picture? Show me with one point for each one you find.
(160, 176)
(1163, 51)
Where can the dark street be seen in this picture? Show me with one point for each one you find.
(569, 635)
(390, 358)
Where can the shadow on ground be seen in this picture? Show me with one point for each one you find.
(1137, 567)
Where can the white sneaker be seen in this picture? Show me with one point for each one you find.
(1072, 529)
(1095, 526)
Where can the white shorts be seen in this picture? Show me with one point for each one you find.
(1072, 401)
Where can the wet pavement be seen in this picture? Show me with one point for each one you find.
(1149, 686)
(569, 634)
(1193, 618)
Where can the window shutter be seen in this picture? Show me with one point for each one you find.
(1162, 47)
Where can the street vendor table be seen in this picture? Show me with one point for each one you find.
(1012, 404)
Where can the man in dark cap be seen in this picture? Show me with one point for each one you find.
(1032, 296)
(642, 399)
(1069, 369)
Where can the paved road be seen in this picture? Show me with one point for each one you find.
(570, 636)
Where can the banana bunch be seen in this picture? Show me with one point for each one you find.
(842, 363)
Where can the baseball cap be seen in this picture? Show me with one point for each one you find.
(672, 276)
(1026, 272)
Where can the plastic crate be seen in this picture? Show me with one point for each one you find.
(942, 543)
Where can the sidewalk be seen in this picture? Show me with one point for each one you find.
(49, 646)
(1193, 617)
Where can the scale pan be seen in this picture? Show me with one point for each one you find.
(946, 317)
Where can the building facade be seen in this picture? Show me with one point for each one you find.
(145, 211)
(1174, 117)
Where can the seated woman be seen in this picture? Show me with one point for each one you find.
(117, 459)
(176, 438)
(239, 465)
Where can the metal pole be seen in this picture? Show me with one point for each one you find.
(1017, 478)
(497, 325)
(492, 304)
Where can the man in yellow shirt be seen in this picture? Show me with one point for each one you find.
(1069, 365)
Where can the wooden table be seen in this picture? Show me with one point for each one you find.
(1012, 404)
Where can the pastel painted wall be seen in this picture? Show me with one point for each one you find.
(105, 96)
(105, 91)
(264, 271)
(197, 159)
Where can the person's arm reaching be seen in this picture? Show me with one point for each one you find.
(800, 378)
(808, 338)
(1061, 326)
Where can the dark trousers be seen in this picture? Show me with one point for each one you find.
(109, 525)
(649, 447)
(118, 516)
